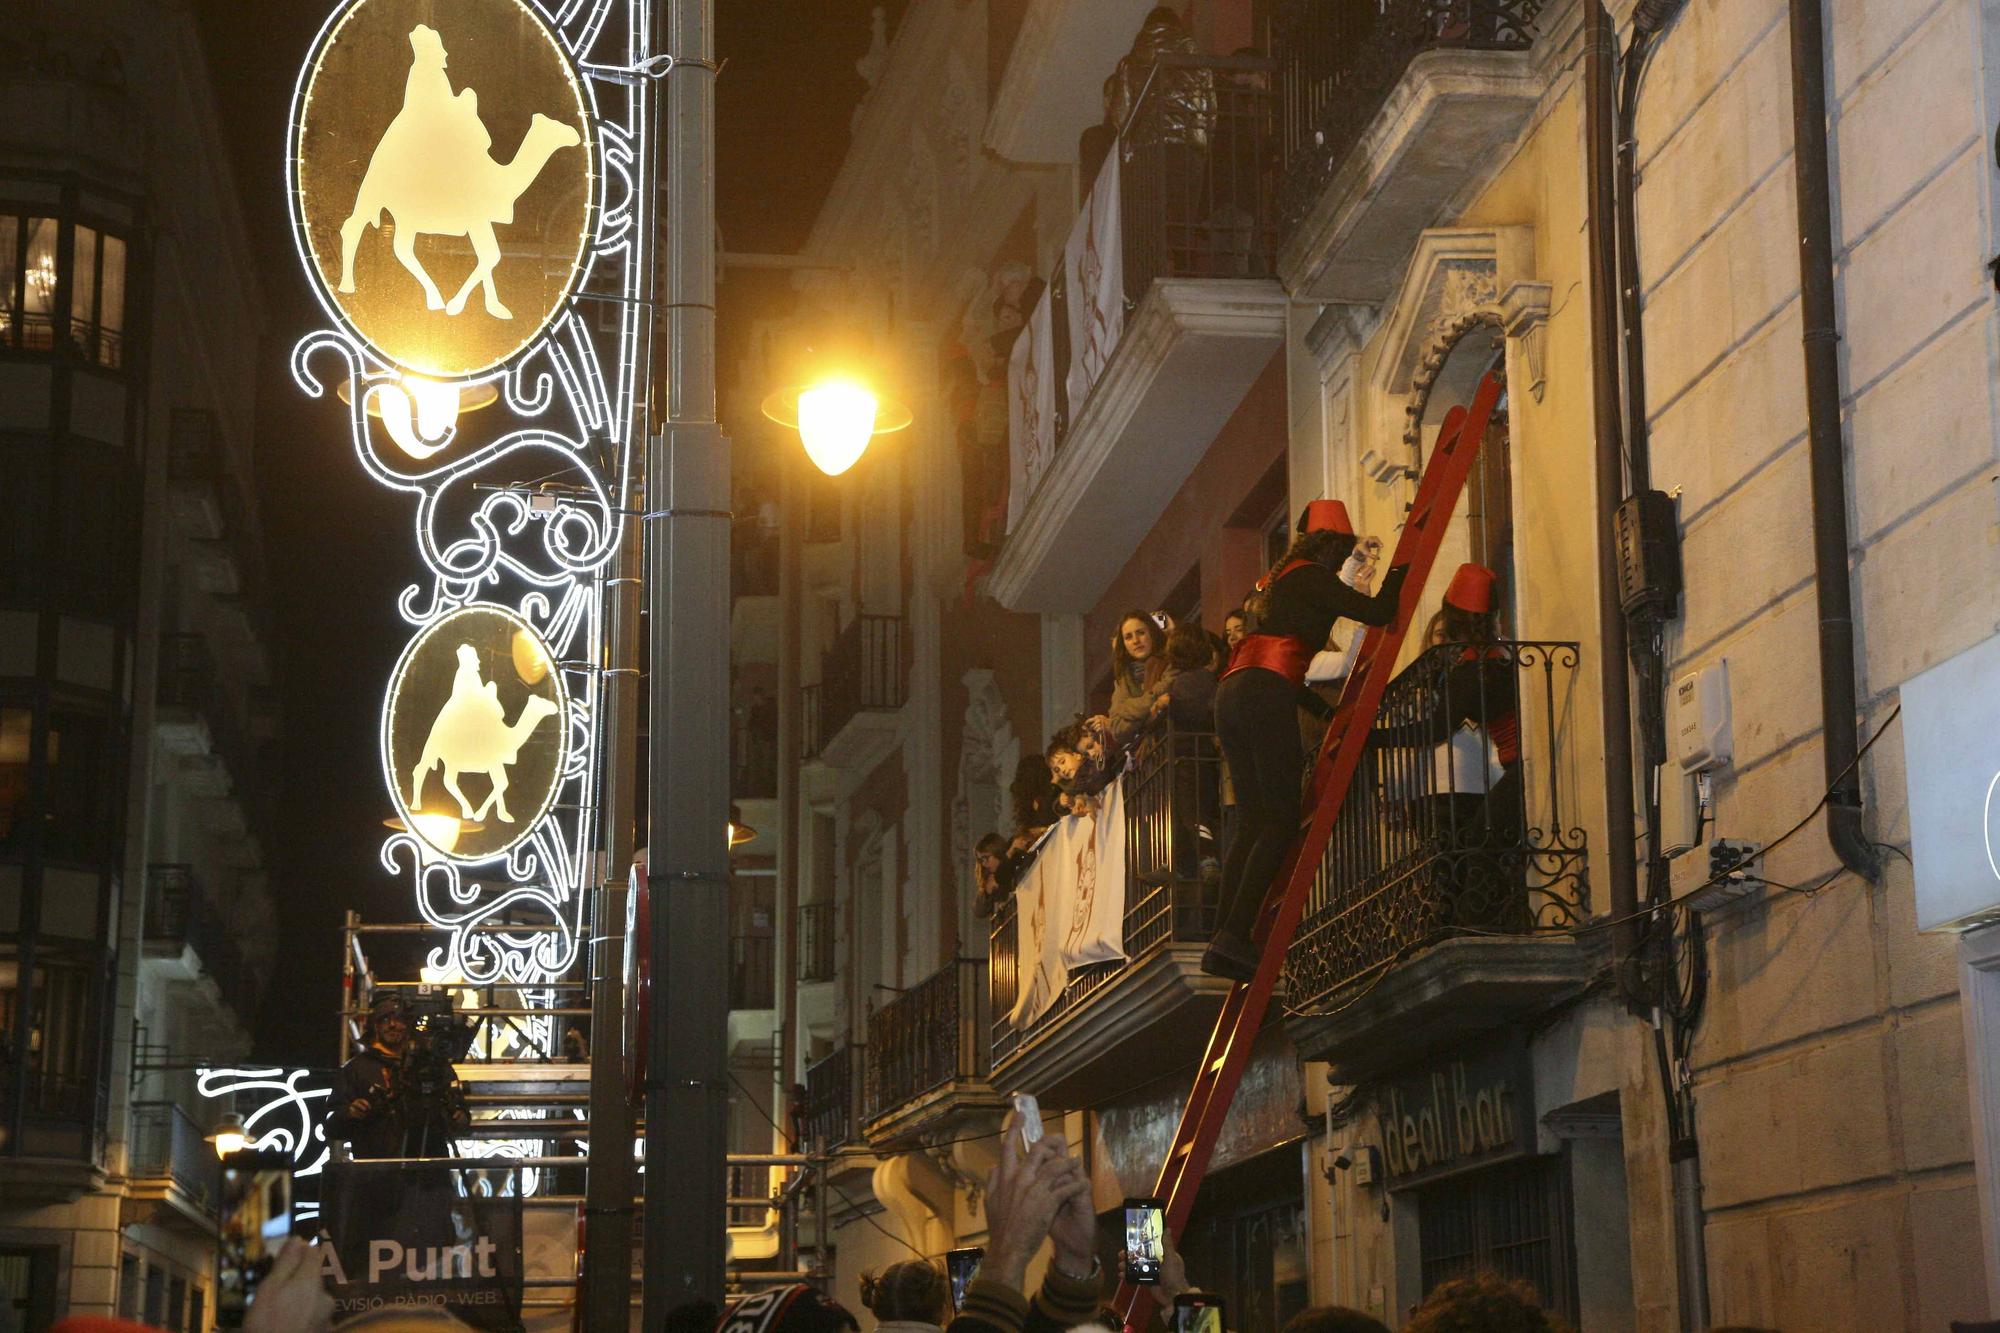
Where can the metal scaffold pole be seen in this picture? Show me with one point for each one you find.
(687, 599)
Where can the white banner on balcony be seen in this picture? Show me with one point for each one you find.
(1031, 408)
(1094, 266)
(1070, 905)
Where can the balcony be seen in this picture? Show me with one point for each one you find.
(1051, 87)
(191, 938)
(817, 956)
(860, 693)
(171, 1170)
(205, 501)
(833, 1100)
(1439, 915)
(927, 1056)
(1393, 115)
(1118, 1024)
(1164, 313)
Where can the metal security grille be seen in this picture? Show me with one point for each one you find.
(1512, 1219)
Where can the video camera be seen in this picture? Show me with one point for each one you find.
(426, 1095)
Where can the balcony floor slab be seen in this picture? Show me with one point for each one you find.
(1190, 352)
(864, 741)
(1455, 989)
(943, 1109)
(1433, 146)
(1147, 1021)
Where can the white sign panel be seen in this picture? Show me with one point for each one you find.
(1951, 750)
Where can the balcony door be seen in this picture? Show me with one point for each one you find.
(28, 1287)
(1482, 527)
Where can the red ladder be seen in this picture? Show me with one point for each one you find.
(1236, 1027)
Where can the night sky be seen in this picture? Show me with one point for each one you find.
(340, 547)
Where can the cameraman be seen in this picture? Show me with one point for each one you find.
(373, 1106)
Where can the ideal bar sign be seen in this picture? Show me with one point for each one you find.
(1474, 1107)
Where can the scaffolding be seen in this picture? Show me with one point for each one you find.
(526, 1082)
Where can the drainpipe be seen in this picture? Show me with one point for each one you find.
(1837, 690)
(1614, 686)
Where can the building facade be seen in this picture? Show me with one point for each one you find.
(135, 918)
(1150, 290)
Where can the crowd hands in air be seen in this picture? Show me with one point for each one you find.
(1038, 1199)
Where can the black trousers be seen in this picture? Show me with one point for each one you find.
(1257, 721)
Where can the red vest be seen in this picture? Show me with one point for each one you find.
(1286, 654)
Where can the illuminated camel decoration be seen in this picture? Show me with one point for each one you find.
(471, 735)
(432, 173)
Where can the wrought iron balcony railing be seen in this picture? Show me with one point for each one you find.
(832, 1107)
(1172, 793)
(1340, 59)
(178, 912)
(1197, 159)
(816, 942)
(1459, 819)
(930, 1035)
(861, 672)
(168, 1144)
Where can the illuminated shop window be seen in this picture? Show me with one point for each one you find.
(31, 281)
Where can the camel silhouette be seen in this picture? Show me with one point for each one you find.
(433, 174)
(471, 735)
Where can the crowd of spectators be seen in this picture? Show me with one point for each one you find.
(1264, 689)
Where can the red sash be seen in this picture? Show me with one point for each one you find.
(1282, 653)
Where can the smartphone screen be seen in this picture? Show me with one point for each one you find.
(1145, 1239)
(1197, 1312)
(256, 1217)
(959, 1266)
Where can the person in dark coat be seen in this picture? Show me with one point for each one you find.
(1256, 715)
(368, 1108)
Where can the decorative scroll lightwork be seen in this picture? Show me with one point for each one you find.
(288, 1116)
(530, 518)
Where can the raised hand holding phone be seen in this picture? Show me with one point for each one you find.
(1028, 1187)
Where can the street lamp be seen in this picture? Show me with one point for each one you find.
(229, 1135)
(835, 417)
(438, 832)
(419, 412)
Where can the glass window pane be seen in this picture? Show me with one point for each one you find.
(83, 292)
(38, 294)
(10, 273)
(16, 726)
(111, 304)
(77, 826)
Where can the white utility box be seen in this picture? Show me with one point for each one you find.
(1700, 722)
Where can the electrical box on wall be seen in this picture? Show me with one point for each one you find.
(1649, 555)
(1700, 719)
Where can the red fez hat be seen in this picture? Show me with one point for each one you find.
(1471, 589)
(1325, 516)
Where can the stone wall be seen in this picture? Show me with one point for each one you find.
(1830, 1068)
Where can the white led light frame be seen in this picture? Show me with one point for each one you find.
(570, 403)
(295, 193)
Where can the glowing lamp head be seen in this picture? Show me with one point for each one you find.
(229, 1135)
(836, 419)
(436, 831)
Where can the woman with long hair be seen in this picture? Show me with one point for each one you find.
(1139, 675)
(1256, 715)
